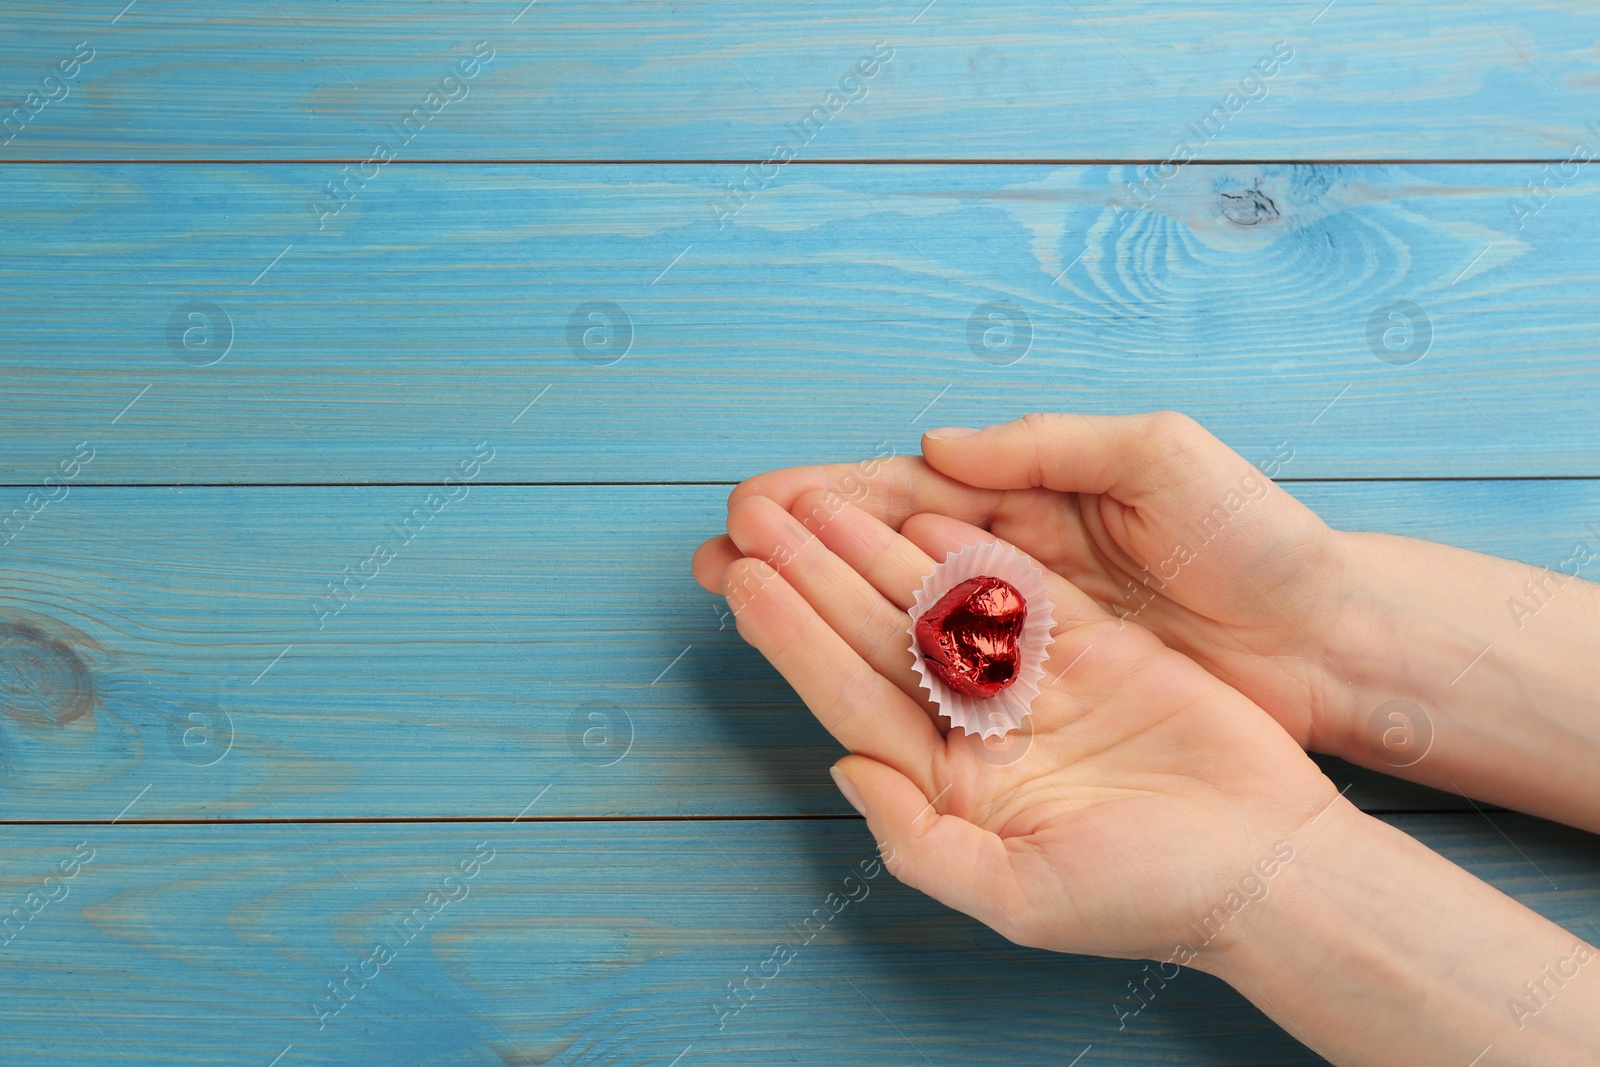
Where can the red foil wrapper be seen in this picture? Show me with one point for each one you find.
(971, 635)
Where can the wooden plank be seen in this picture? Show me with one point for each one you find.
(523, 637)
(840, 313)
(596, 942)
(724, 80)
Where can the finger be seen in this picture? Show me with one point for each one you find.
(1131, 457)
(877, 630)
(712, 560)
(893, 565)
(890, 489)
(952, 860)
(863, 710)
(939, 535)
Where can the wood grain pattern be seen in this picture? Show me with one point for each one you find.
(345, 349)
(523, 636)
(846, 308)
(721, 79)
(597, 943)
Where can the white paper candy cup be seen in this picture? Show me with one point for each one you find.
(998, 715)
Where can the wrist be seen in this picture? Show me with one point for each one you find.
(1354, 646)
(1295, 904)
(1372, 949)
(1441, 674)
(1388, 642)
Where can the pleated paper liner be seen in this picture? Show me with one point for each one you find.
(998, 715)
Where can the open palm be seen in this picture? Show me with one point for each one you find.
(1141, 793)
(1152, 517)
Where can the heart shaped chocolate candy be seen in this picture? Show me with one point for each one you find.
(969, 637)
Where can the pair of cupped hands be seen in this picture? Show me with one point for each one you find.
(1165, 754)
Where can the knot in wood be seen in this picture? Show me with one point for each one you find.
(1249, 208)
(43, 682)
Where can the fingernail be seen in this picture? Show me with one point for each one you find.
(947, 433)
(848, 790)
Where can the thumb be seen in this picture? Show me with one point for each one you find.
(950, 859)
(1130, 457)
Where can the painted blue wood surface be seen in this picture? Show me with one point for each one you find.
(166, 650)
(523, 636)
(598, 943)
(724, 79)
(842, 308)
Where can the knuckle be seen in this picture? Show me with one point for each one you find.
(854, 690)
(815, 508)
(1173, 427)
(887, 640)
(1039, 421)
(1040, 428)
(807, 500)
(1175, 444)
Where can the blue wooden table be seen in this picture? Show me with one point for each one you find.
(369, 372)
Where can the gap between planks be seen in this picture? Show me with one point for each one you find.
(735, 162)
